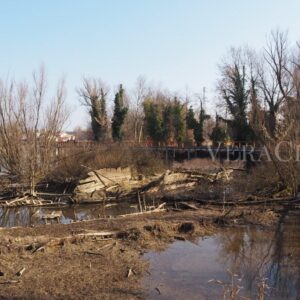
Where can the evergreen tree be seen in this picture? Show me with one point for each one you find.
(93, 96)
(178, 121)
(199, 127)
(235, 94)
(218, 134)
(190, 118)
(119, 115)
(99, 116)
(95, 117)
(153, 121)
(167, 125)
(164, 120)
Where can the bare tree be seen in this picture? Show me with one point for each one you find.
(134, 122)
(29, 126)
(279, 83)
(274, 77)
(140, 94)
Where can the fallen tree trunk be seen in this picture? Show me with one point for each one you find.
(266, 201)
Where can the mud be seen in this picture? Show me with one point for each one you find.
(70, 261)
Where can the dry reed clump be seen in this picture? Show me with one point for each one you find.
(77, 164)
(233, 288)
(263, 181)
(147, 162)
(208, 164)
(266, 217)
(144, 162)
(203, 164)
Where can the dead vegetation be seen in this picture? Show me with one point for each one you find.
(74, 164)
(114, 184)
(102, 259)
(80, 162)
(217, 184)
(29, 125)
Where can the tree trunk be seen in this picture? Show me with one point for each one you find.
(141, 133)
(32, 187)
(272, 122)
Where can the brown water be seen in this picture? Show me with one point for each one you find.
(184, 270)
(30, 216)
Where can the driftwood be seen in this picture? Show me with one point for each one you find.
(53, 194)
(103, 235)
(223, 174)
(9, 281)
(114, 184)
(266, 201)
(53, 215)
(160, 208)
(139, 202)
(26, 201)
(103, 179)
(154, 182)
(41, 242)
(130, 272)
(93, 253)
(20, 272)
(188, 205)
(38, 249)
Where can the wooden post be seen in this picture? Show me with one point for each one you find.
(139, 202)
(144, 201)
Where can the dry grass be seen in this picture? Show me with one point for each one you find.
(77, 164)
(262, 180)
(87, 268)
(207, 164)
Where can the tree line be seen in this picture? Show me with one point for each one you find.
(149, 115)
(256, 90)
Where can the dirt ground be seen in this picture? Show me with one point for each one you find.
(101, 259)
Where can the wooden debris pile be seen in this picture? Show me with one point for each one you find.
(112, 184)
(108, 179)
(105, 184)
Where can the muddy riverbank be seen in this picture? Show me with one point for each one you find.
(103, 258)
(245, 262)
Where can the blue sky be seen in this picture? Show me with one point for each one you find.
(175, 43)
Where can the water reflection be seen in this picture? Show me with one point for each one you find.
(184, 269)
(28, 216)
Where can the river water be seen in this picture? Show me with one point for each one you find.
(31, 216)
(234, 258)
(208, 268)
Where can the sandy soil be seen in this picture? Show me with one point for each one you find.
(72, 262)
